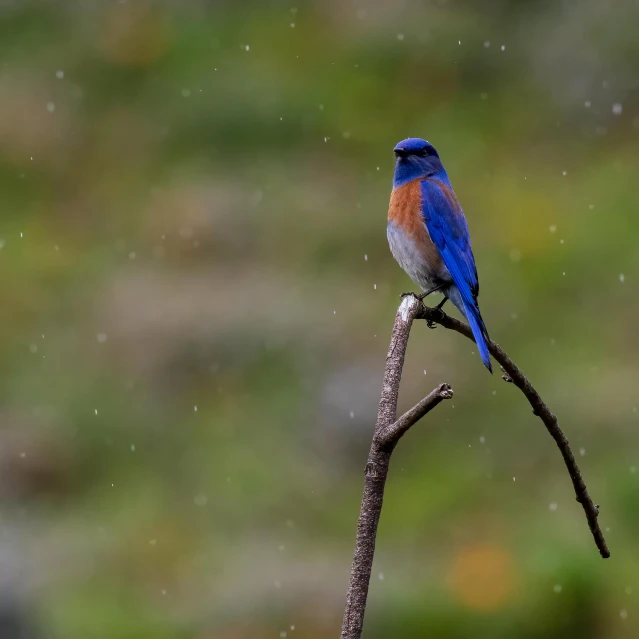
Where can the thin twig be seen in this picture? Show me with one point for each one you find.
(513, 375)
(388, 431)
(393, 433)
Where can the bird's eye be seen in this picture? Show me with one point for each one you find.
(423, 152)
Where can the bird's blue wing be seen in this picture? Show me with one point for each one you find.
(448, 230)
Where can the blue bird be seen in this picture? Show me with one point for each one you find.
(428, 234)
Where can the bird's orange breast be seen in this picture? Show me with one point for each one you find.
(405, 212)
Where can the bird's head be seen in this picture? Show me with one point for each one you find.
(415, 158)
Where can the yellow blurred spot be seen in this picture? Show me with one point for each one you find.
(134, 35)
(482, 577)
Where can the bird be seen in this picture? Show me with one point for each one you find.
(428, 234)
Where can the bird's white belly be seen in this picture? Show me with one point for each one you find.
(412, 260)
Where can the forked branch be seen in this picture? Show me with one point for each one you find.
(388, 431)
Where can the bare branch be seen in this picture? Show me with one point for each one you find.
(393, 433)
(388, 432)
(513, 375)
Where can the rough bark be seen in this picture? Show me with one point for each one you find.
(388, 431)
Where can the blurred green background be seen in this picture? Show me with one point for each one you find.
(197, 296)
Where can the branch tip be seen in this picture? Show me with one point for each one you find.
(446, 391)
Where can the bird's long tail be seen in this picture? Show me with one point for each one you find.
(477, 326)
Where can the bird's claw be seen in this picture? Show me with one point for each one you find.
(431, 324)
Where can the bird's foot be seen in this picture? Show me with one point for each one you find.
(432, 324)
(421, 296)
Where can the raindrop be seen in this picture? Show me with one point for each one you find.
(482, 440)
(553, 228)
(400, 36)
(365, 257)
(503, 47)
(553, 507)
(487, 43)
(200, 500)
(622, 277)
(582, 451)
(101, 337)
(617, 108)
(132, 448)
(380, 576)
(557, 588)
(623, 614)
(50, 107)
